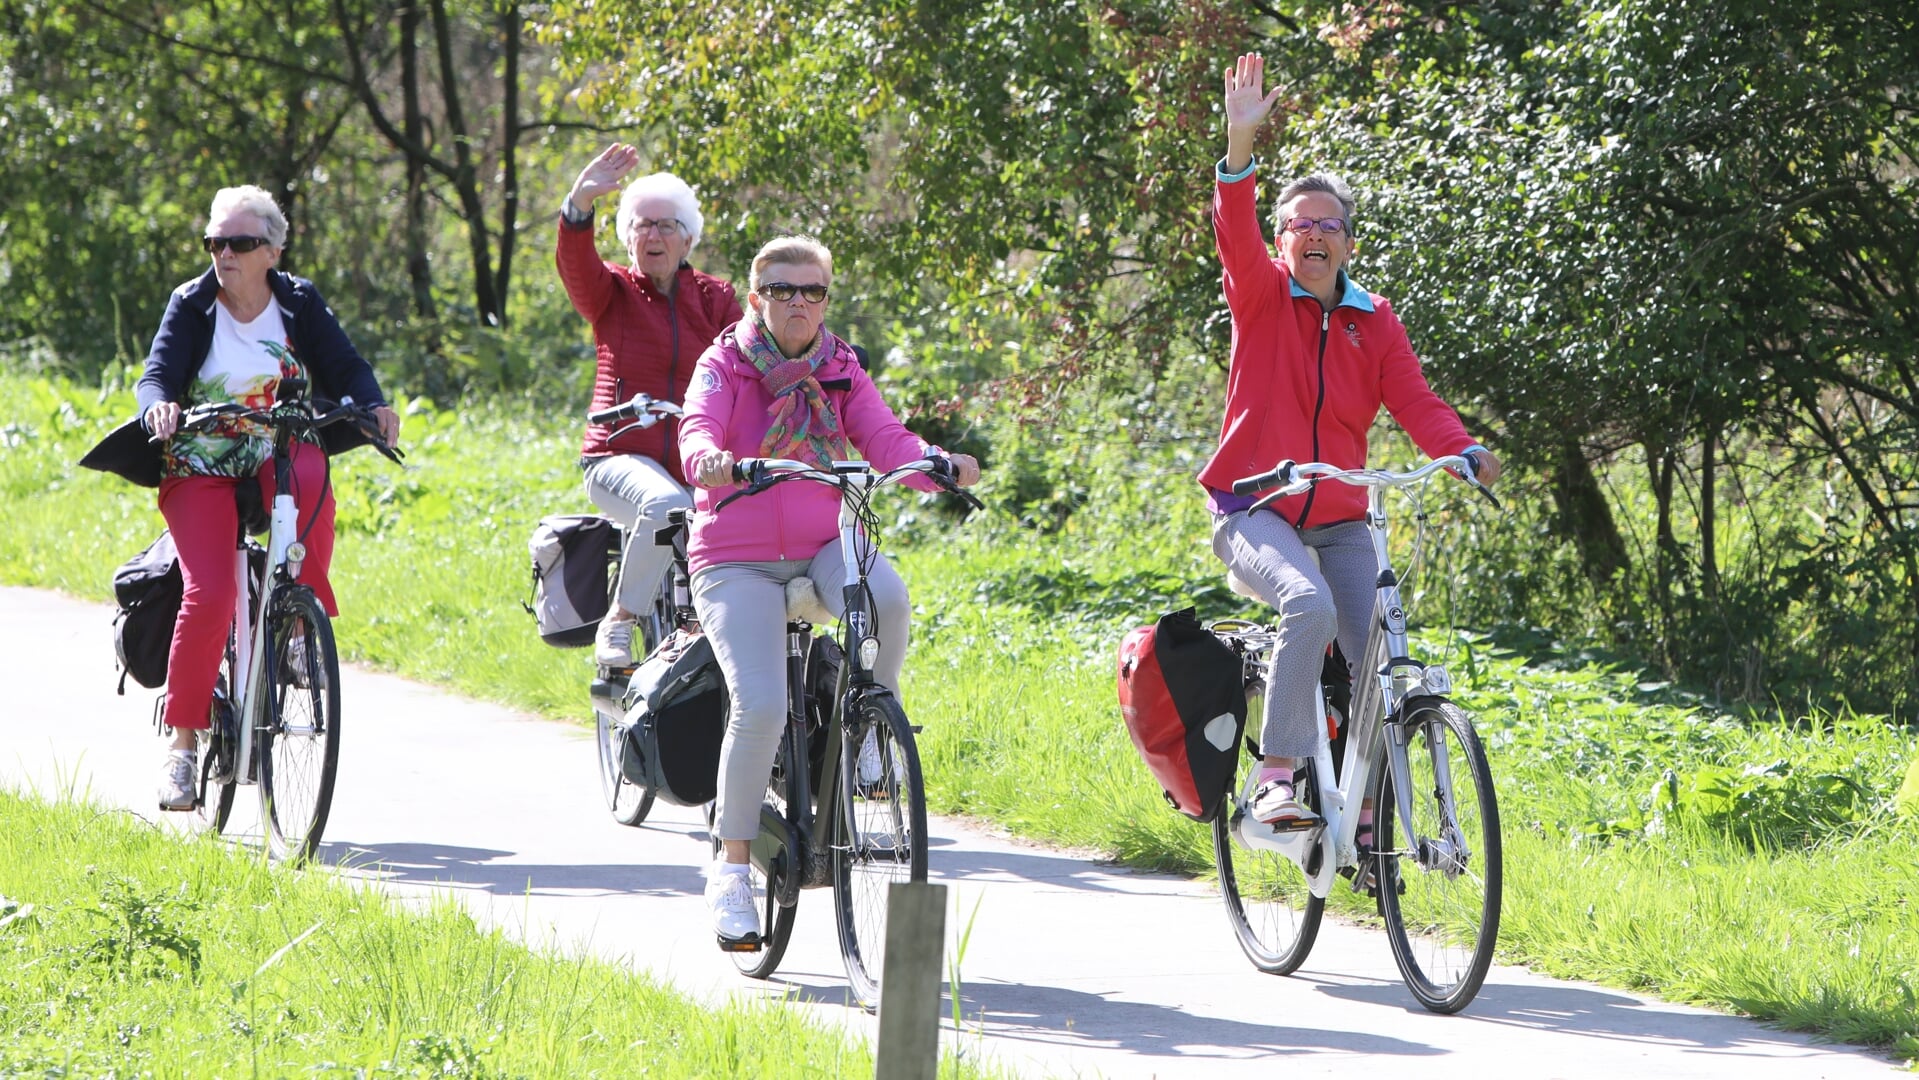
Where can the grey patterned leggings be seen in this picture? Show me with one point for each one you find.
(1314, 603)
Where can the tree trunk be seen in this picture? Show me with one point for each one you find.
(419, 270)
(1708, 542)
(1584, 516)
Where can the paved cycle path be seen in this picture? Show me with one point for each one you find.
(1071, 968)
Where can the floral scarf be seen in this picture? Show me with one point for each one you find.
(804, 426)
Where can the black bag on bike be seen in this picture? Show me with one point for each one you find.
(148, 588)
(571, 553)
(675, 721)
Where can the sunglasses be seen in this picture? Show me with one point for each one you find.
(1331, 226)
(240, 244)
(780, 290)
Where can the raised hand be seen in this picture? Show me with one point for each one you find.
(603, 174)
(1247, 106)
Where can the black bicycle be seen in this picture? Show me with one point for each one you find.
(846, 802)
(672, 609)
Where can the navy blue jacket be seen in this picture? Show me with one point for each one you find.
(334, 367)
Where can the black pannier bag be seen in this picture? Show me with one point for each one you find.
(571, 553)
(148, 588)
(675, 720)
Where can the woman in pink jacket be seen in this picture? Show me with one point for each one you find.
(778, 384)
(1314, 358)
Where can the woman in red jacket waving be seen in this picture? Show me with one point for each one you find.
(651, 321)
(1314, 358)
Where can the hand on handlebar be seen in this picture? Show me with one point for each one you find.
(715, 470)
(965, 469)
(389, 422)
(163, 419)
(1485, 466)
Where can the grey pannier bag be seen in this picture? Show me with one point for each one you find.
(571, 555)
(675, 721)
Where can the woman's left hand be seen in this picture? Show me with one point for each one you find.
(1485, 466)
(965, 469)
(389, 422)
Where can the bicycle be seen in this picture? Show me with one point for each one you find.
(277, 723)
(830, 820)
(671, 609)
(1434, 865)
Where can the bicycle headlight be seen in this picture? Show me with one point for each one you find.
(296, 552)
(869, 652)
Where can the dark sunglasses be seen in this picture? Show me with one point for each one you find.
(240, 244)
(1331, 226)
(780, 290)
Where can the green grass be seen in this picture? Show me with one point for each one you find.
(1651, 843)
(131, 952)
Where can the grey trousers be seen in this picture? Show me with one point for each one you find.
(1315, 604)
(742, 607)
(637, 492)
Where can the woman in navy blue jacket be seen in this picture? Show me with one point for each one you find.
(231, 335)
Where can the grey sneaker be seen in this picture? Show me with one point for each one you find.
(179, 783)
(613, 645)
(870, 765)
(730, 897)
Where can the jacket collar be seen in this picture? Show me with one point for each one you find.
(203, 291)
(1351, 296)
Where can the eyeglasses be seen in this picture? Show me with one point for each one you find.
(240, 244)
(1331, 226)
(667, 226)
(780, 290)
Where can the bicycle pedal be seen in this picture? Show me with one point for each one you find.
(1290, 825)
(748, 944)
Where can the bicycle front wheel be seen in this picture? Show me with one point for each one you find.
(300, 733)
(629, 802)
(1268, 898)
(879, 834)
(1440, 873)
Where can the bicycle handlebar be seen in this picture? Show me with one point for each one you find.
(758, 474)
(294, 411)
(1292, 479)
(642, 410)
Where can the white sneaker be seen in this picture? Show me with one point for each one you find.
(1275, 804)
(179, 783)
(729, 895)
(295, 670)
(871, 767)
(613, 645)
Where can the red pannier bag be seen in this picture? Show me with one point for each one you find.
(1181, 694)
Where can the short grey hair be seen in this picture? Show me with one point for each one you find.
(661, 185)
(791, 251)
(1326, 183)
(248, 199)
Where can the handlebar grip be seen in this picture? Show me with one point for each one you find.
(1252, 485)
(610, 416)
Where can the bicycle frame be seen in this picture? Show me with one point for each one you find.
(1378, 705)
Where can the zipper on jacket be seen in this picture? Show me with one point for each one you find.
(1325, 323)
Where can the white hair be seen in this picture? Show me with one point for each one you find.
(661, 185)
(249, 199)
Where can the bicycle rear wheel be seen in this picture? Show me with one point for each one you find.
(629, 802)
(219, 745)
(300, 736)
(1273, 911)
(776, 919)
(1440, 874)
(879, 835)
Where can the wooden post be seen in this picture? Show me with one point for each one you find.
(910, 982)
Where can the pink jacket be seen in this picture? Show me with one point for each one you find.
(727, 409)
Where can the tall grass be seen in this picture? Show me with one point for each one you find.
(131, 952)
(1650, 840)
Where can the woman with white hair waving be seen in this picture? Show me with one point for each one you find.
(651, 320)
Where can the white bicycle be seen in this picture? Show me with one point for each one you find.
(1434, 861)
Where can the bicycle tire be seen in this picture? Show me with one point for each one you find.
(627, 801)
(1440, 894)
(892, 805)
(776, 919)
(1269, 902)
(215, 798)
(299, 741)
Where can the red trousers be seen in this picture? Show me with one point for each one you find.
(206, 526)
